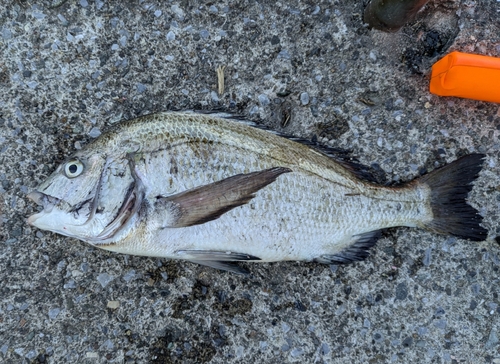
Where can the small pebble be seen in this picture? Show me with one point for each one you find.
(440, 324)
(108, 344)
(439, 312)
(70, 284)
(492, 340)
(325, 349)
(264, 100)
(38, 16)
(129, 275)
(366, 323)
(407, 342)
(214, 96)
(339, 311)
(4, 349)
(104, 279)
(6, 34)
(284, 54)
(204, 33)
(54, 312)
(31, 354)
(427, 257)
(157, 13)
(285, 327)
(177, 10)
(84, 3)
(377, 336)
(170, 36)
(113, 304)
(304, 98)
(94, 132)
(422, 331)
(19, 351)
(420, 343)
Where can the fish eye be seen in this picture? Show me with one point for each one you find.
(73, 168)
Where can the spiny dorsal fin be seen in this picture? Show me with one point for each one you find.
(341, 156)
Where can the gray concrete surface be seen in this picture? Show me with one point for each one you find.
(67, 73)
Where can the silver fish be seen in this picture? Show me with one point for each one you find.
(215, 191)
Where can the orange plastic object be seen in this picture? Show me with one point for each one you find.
(467, 75)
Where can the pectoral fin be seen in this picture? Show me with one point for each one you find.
(209, 202)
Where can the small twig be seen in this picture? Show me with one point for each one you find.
(220, 78)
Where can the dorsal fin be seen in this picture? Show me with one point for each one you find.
(341, 156)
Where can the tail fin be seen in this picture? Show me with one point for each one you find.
(449, 187)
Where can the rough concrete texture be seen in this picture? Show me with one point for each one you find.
(307, 68)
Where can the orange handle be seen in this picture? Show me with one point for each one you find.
(466, 75)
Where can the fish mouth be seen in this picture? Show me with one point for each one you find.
(129, 207)
(41, 199)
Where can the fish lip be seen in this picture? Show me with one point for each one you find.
(36, 197)
(41, 199)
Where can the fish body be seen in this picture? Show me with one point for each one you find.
(214, 191)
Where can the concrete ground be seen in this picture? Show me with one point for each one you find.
(307, 68)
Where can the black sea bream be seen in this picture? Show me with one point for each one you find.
(215, 191)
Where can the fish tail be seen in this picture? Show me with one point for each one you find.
(450, 187)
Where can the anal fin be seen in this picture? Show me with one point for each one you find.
(218, 259)
(357, 251)
(213, 255)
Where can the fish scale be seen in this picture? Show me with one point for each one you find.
(212, 190)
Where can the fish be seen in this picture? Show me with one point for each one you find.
(217, 191)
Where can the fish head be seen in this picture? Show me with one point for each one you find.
(89, 197)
